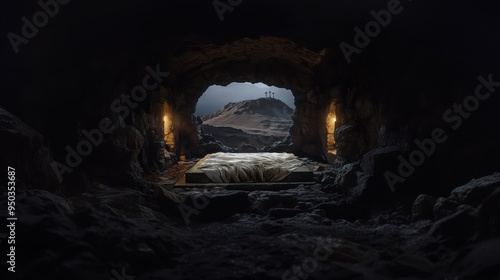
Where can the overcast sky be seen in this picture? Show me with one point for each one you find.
(217, 96)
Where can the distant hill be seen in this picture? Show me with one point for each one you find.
(263, 116)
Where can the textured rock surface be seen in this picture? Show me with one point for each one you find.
(489, 215)
(25, 150)
(110, 230)
(92, 235)
(119, 164)
(457, 227)
(391, 93)
(477, 190)
(444, 207)
(391, 100)
(423, 207)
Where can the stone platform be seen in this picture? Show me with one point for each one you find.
(195, 177)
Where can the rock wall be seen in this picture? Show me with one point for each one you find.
(394, 91)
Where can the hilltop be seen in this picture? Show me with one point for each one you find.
(263, 116)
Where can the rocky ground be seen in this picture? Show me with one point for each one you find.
(257, 123)
(234, 138)
(263, 116)
(320, 231)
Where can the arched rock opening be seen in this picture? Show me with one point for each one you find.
(274, 61)
(245, 117)
(125, 216)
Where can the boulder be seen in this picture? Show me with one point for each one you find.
(340, 179)
(348, 138)
(489, 216)
(444, 207)
(367, 188)
(118, 164)
(456, 228)
(346, 133)
(328, 177)
(376, 162)
(25, 150)
(167, 200)
(347, 175)
(474, 192)
(372, 183)
(423, 208)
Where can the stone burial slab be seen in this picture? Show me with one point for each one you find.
(248, 171)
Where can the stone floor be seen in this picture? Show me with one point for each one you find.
(156, 231)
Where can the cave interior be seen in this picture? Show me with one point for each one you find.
(396, 119)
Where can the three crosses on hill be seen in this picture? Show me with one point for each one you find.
(269, 94)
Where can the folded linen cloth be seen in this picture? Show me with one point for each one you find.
(249, 167)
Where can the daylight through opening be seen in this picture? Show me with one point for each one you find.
(246, 117)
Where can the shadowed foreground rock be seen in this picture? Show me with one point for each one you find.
(93, 234)
(406, 87)
(25, 149)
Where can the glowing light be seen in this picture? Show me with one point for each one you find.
(167, 125)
